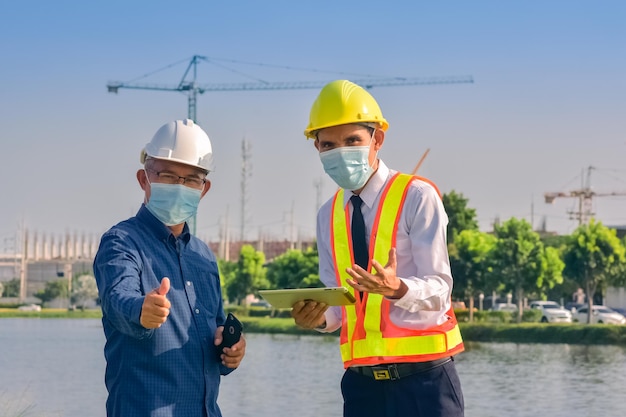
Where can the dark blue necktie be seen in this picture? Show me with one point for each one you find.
(359, 243)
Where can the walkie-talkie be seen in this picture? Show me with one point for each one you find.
(230, 335)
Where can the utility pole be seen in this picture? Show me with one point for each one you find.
(67, 271)
(261, 241)
(224, 250)
(246, 173)
(318, 193)
(532, 212)
(292, 225)
(23, 262)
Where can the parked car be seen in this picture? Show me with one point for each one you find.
(260, 303)
(620, 310)
(30, 307)
(512, 308)
(599, 314)
(573, 307)
(459, 305)
(552, 312)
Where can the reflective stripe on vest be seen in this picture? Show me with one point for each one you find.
(368, 335)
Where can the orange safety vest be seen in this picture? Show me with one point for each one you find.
(368, 336)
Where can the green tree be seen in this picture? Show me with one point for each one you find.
(12, 288)
(619, 279)
(517, 258)
(295, 269)
(84, 288)
(594, 257)
(227, 270)
(469, 263)
(460, 217)
(53, 289)
(249, 275)
(551, 270)
(555, 241)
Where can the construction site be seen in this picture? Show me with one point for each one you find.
(36, 257)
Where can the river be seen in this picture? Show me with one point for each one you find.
(55, 368)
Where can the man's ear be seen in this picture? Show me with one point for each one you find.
(379, 139)
(142, 179)
(207, 187)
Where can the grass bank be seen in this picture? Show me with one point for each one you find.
(574, 333)
(51, 313)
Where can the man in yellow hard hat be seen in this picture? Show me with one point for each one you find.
(160, 292)
(383, 236)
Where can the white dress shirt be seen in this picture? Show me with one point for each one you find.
(421, 251)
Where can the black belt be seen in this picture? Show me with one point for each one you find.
(394, 371)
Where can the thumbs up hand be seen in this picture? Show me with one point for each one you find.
(156, 306)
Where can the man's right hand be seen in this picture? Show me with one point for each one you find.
(156, 306)
(309, 314)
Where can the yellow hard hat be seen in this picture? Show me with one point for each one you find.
(343, 102)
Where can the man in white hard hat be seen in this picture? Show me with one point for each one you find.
(160, 291)
(382, 236)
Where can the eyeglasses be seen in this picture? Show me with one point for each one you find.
(169, 178)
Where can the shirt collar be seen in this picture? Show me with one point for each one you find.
(374, 185)
(161, 231)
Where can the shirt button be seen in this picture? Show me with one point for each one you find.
(189, 283)
(197, 311)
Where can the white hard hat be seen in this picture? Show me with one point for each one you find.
(181, 141)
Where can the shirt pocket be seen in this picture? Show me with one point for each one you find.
(201, 280)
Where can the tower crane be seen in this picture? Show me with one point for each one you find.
(585, 196)
(189, 85)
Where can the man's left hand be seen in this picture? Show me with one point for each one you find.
(232, 356)
(384, 282)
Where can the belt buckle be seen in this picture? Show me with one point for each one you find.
(384, 373)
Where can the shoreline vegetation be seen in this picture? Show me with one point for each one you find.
(568, 333)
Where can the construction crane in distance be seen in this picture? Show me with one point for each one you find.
(189, 85)
(584, 195)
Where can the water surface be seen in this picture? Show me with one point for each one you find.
(55, 368)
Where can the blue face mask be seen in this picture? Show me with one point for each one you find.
(173, 203)
(348, 166)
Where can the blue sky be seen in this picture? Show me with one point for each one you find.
(548, 100)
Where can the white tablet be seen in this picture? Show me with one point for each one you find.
(334, 296)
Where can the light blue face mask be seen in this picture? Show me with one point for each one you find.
(348, 166)
(173, 203)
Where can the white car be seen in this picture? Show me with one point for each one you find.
(552, 312)
(30, 307)
(599, 314)
(511, 308)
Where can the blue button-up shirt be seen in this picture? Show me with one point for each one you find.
(172, 371)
